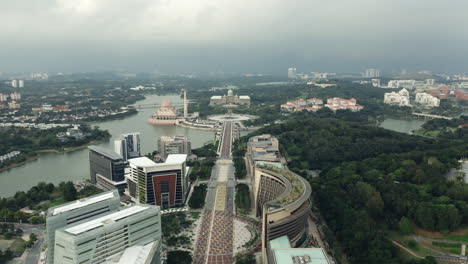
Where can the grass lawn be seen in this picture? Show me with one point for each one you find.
(18, 245)
(4, 244)
(195, 215)
(463, 238)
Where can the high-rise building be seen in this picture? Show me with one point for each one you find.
(21, 83)
(128, 146)
(372, 73)
(292, 73)
(107, 168)
(105, 239)
(164, 184)
(15, 96)
(174, 145)
(185, 105)
(77, 211)
(14, 83)
(376, 82)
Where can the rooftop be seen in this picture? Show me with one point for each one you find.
(176, 158)
(142, 162)
(137, 254)
(106, 152)
(107, 219)
(300, 256)
(299, 188)
(216, 97)
(244, 97)
(82, 202)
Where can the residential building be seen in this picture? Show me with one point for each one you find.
(441, 92)
(14, 83)
(3, 97)
(106, 168)
(164, 184)
(430, 82)
(21, 83)
(281, 252)
(292, 73)
(371, 73)
(427, 100)
(128, 146)
(376, 82)
(312, 104)
(174, 145)
(76, 212)
(230, 99)
(336, 103)
(15, 96)
(408, 84)
(14, 105)
(401, 98)
(461, 94)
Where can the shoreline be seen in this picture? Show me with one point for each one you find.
(38, 152)
(18, 164)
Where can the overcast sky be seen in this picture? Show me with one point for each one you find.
(265, 36)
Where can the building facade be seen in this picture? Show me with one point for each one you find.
(230, 99)
(401, 98)
(164, 184)
(76, 212)
(174, 145)
(292, 73)
(427, 100)
(107, 168)
(281, 197)
(105, 239)
(128, 146)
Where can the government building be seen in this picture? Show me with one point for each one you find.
(281, 197)
(230, 99)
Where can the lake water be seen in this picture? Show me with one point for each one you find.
(401, 125)
(72, 166)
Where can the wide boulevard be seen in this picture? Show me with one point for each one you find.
(215, 238)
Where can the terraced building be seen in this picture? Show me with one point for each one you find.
(281, 197)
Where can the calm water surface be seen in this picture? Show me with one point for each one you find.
(72, 166)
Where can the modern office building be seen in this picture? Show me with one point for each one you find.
(128, 146)
(401, 98)
(371, 73)
(76, 212)
(129, 235)
(427, 100)
(281, 252)
(174, 145)
(106, 168)
(292, 73)
(164, 184)
(281, 197)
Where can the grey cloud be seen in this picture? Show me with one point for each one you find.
(240, 35)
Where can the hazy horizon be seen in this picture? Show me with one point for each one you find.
(233, 36)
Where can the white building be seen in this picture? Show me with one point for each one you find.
(408, 84)
(174, 145)
(292, 73)
(128, 145)
(110, 237)
(401, 98)
(21, 83)
(14, 83)
(15, 96)
(427, 100)
(371, 73)
(376, 82)
(430, 82)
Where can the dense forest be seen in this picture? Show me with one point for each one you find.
(371, 178)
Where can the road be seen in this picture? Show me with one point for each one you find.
(215, 239)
